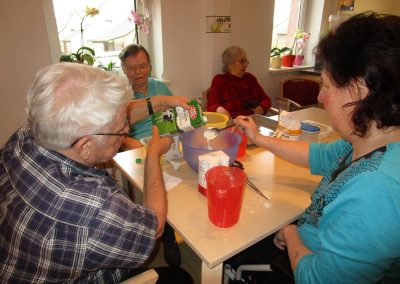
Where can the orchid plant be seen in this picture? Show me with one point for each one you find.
(141, 20)
(88, 12)
(84, 55)
(300, 39)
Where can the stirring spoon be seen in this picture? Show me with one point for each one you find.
(230, 123)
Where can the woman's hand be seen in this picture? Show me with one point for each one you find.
(281, 237)
(222, 110)
(259, 110)
(288, 237)
(280, 240)
(247, 126)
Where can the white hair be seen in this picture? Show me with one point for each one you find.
(230, 55)
(67, 101)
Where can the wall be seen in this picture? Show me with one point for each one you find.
(183, 39)
(382, 6)
(25, 48)
(252, 29)
(191, 57)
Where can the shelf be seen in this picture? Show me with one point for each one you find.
(289, 69)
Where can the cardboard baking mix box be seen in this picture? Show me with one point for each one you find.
(178, 119)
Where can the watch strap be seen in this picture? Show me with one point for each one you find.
(149, 106)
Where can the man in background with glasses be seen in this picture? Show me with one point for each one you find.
(61, 219)
(136, 64)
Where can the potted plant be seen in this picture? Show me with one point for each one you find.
(300, 39)
(275, 58)
(84, 55)
(288, 58)
(109, 67)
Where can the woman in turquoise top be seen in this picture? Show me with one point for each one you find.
(135, 62)
(350, 232)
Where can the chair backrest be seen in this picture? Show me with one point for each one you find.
(303, 90)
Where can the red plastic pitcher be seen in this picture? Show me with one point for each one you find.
(225, 187)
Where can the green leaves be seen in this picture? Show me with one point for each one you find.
(84, 55)
(278, 51)
(109, 67)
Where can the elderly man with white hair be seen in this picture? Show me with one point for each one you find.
(62, 219)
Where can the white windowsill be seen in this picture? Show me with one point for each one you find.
(289, 69)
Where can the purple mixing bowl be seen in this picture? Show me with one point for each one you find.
(195, 144)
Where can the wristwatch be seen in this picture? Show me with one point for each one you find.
(149, 106)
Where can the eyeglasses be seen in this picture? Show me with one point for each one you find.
(243, 61)
(125, 134)
(138, 68)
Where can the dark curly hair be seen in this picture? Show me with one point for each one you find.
(367, 46)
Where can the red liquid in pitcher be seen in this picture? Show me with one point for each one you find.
(224, 206)
(224, 195)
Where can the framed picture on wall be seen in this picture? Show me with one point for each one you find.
(346, 6)
(218, 24)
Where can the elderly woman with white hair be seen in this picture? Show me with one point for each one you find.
(236, 92)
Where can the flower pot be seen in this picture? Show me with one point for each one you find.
(275, 62)
(287, 60)
(298, 60)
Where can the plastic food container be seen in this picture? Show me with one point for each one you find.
(309, 132)
(325, 130)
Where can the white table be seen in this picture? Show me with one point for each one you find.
(288, 186)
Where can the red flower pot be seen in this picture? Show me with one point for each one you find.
(287, 60)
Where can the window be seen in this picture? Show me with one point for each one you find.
(107, 32)
(65, 46)
(288, 15)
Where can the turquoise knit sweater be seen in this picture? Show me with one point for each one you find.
(353, 223)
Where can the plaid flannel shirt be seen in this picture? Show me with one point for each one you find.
(61, 221)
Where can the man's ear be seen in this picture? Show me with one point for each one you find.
(123, 68)
(84, 146)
